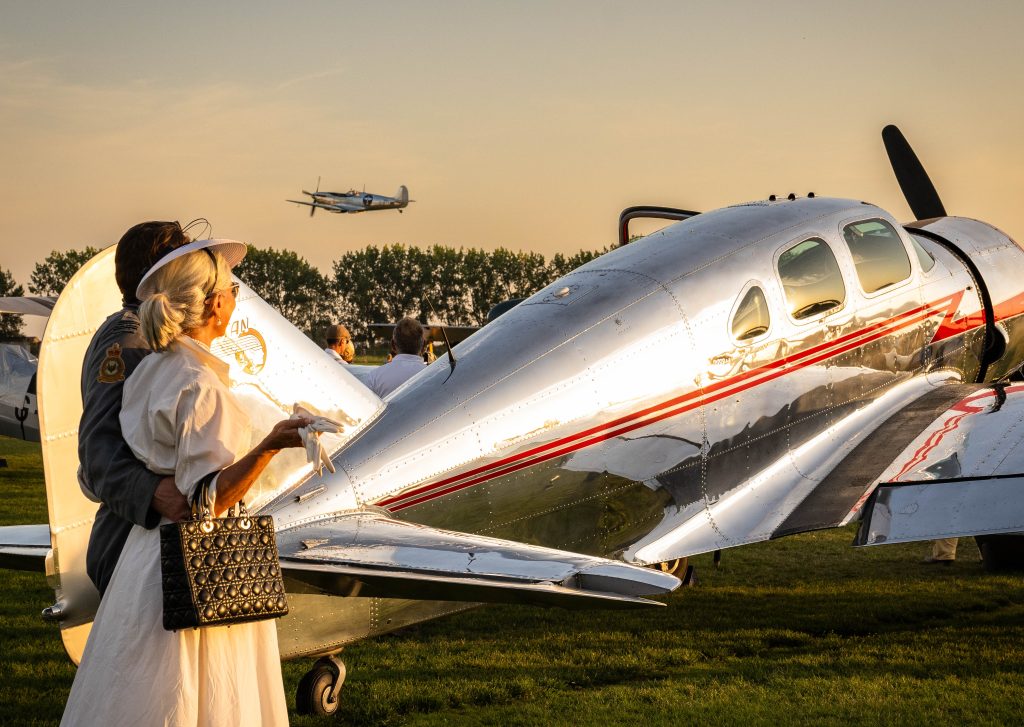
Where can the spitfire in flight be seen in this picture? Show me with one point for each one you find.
(354, 201)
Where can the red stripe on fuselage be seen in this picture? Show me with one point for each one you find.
(947, 307)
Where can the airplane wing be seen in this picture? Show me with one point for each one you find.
(912, 445)
(961, 476)
(24, 547)
(27, 305)
(338, 207)
(374, 555)
(342, 207)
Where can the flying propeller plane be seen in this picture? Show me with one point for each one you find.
(354, 201)
(769, 368)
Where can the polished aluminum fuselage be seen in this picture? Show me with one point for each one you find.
(614, 413)
(363, 200)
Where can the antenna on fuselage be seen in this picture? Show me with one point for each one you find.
(447, 343)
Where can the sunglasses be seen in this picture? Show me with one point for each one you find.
(233, 289)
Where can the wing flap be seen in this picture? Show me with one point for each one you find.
(374, 555)
(911, 512)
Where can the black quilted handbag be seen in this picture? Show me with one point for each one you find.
(220, 570)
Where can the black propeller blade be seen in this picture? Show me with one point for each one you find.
(913, 179)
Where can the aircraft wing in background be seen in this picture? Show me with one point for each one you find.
(24, 547)
(27, 305)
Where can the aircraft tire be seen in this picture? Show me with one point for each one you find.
(675, 567)
(313, 695)
(1002, 552)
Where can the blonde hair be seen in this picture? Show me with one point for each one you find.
(183, 287)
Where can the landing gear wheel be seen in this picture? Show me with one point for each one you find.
(675, 567)
(318, 690)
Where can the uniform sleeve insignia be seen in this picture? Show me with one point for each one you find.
(112, 368)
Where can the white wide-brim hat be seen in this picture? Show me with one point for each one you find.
(231, 250)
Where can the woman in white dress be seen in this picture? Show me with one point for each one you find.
(180, 418)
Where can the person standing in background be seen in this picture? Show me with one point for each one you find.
(339, 344)
(407, 358)
(943, 552)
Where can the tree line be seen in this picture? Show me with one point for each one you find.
(377, 284)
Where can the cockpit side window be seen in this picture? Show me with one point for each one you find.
(811, 279)
(751, 318)
(926, 259)
(878, 253)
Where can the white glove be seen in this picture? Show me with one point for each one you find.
(310, 434)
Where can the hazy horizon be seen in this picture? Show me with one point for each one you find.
(528, 126)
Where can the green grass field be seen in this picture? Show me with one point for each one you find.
(804, 630)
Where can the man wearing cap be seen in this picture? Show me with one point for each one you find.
(339, 344)
(108, 472)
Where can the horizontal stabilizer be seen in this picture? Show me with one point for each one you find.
(369, 554)
(29, 305)
(24, 547)
(907, 512)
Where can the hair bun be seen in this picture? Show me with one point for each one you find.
(178, 304)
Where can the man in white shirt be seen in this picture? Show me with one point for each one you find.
(339, 344)
(407, 349)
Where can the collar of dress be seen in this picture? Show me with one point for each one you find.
(205, 356)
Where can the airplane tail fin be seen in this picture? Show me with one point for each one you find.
(272, 365)
(402, 195)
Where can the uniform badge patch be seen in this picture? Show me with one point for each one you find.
(112, 368)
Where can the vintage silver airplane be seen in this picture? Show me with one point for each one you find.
(764, 369)
(19, 415)
(354, 201)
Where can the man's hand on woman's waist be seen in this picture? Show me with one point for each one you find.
(169, 502)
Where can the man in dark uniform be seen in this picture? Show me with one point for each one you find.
(128, 492)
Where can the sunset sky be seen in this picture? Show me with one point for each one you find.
(526, 125)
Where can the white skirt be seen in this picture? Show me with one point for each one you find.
(133, 672)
